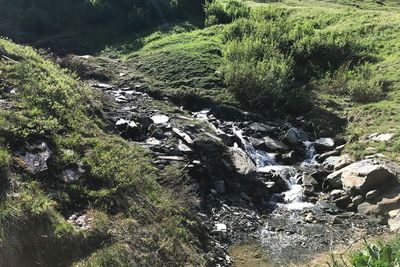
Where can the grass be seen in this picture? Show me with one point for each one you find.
(119, 189)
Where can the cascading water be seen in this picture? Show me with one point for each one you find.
(260, 158)
(293, 198)
(264, 161)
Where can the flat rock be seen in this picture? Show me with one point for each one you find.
(159, 119)
(183, 136)
(381, 137)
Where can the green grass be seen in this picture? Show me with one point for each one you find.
(119, 189)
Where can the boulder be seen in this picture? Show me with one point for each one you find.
(330, 162)
(36, 157)
(344, 161)
(372, 194)
(293, 136)
(262, 128)
(324, 144)
(343, 202)
(274, 145)
(357, 200)
(183, 136)
(382, 205)
(160, 119)
(322, 157)
(362, 176)
(241, 161)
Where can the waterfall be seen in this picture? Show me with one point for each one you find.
(259, 157)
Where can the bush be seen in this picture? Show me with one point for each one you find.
(256, 72)
(222, 13)
(360, 84)
(267, 55)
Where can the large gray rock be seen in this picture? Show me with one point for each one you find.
(294, 136)
(36, 157)
(362, 176)
(324, 144)
(241, 161)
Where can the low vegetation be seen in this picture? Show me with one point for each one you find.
(118, 191)
(382, 254)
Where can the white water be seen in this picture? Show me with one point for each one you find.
(293, 198)
(260, 158)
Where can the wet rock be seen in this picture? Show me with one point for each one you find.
(357, 200)
(309, 180)
(337, 193)
(372, 194)
(183, 136)
(242, 162)
(160, 119)
(343, 202)
(362, 176)
(227, 139)
(274, 145)
(289, 158)
(324, 144)
(261, 127)
(72, 174)
(292, 137)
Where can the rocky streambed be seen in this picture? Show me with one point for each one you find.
(269, 183)
(266, 182)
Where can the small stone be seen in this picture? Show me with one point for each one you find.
(153, 141)
(159, 119)
(372, 194)
(357, 200)
(183, 136)
(343, 202)
(381, 137)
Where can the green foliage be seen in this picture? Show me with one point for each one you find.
(256, 72)
(382, 254)
(359, 84)
(223, 12)
(271, 58)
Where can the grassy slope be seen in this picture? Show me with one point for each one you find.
(185, 63)
(133, 215)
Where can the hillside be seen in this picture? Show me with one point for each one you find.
(217, 133)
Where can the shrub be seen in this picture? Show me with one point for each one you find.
(256, 72)
(360, 84)
(222, 13)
